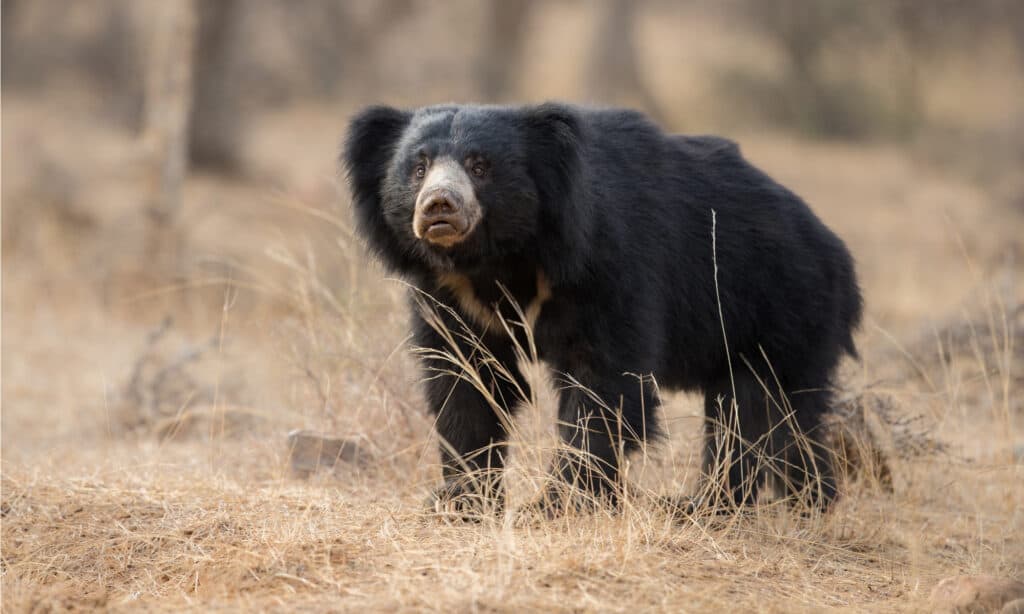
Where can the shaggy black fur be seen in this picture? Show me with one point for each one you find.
(618, 217)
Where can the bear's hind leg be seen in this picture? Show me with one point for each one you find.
(804, 459)
(765, 435)
(735, 437)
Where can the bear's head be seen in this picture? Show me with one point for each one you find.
(459, 188)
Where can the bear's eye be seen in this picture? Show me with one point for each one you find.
(420, 171)
(479, 170)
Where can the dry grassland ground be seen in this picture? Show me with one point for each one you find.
(144, 460)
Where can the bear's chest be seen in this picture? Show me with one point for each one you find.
(486, 304)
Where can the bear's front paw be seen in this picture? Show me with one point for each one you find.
(701, 507)
(560, 499)
(467, 500)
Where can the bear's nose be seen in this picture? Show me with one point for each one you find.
(441, 203)
(440, 217)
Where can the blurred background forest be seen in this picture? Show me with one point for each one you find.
(182, 285)
(259, 90)
(940, 80)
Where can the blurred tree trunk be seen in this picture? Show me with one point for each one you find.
(215, 126)
(9, 12)
(503, 37)
(614, 73)
(338, 40)
(167, 107)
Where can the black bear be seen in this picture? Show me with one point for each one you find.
(641, 259)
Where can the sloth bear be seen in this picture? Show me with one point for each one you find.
(639, 260)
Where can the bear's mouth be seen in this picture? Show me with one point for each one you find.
(440, 230)
(444, 232)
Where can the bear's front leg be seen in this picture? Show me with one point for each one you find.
(601, 422)
(473, 450)
(472, 411)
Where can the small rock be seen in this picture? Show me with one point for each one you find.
(975, 594)
(309, 452)
(1013, 607)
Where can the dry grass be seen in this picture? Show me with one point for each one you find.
(179, 530)
(154, 475)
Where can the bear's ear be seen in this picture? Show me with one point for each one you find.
(554, 138)
(366, 154)
(370, 145)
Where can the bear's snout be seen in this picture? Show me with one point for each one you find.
(442, 217)
(446, 207)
